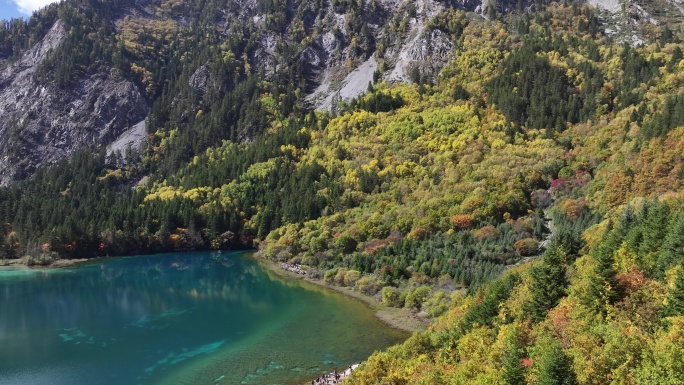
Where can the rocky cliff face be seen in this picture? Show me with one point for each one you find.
(415, 49)
(42, 123)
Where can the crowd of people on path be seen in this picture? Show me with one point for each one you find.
(297, 269)
(334, 377)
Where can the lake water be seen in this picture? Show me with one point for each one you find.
(185, 318)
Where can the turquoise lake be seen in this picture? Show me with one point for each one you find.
(184, 318)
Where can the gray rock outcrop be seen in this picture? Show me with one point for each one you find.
(42, 123)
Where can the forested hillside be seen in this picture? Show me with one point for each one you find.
(604, 302)
(528, 195)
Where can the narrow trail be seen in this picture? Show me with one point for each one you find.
(549, 225)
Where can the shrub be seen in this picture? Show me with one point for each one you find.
(486, 233)
(390, 297)
(437, 304)
(368, 285)
(329, 276)
(346, 244)
(339, 277)
(462, 221)
(415, 298)
(42, 259)
(350, 277)
(526, 246)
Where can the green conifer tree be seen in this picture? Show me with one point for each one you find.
(513, 371)
(548, 284)
(675, 297)
(673, 245)
(556, 369)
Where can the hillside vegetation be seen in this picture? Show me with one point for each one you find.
(604, 303)
(542, 138)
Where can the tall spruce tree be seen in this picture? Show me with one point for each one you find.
(673, 245)
(675, 297)
(548, 284)
(556, 368)
(513, 371)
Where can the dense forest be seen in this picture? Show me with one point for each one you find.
(529, 196)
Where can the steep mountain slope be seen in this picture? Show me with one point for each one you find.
(604, 303)
(320, 42)
(114, 62)
(42, 123)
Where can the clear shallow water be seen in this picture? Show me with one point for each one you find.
(191, 318)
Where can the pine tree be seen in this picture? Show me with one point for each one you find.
(655, 225)
(673, 245)
(602, 285)
(513, 371)
(675, 298)
(556, 369)
(548, 284)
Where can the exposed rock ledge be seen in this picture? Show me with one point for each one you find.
(41, 123)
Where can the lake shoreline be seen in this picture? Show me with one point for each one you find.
(398, 318)
(20, 263)
(203, 317)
